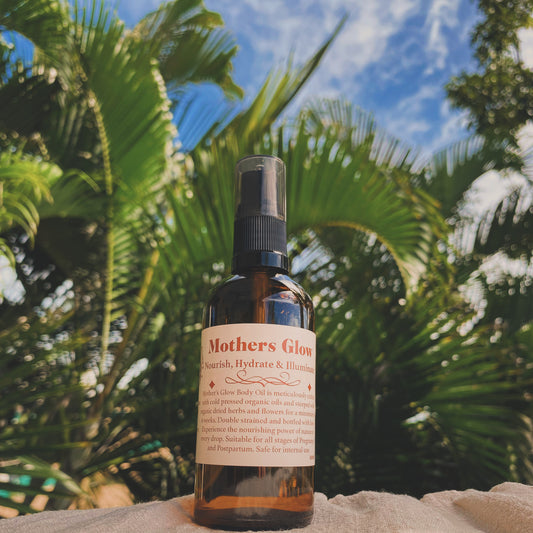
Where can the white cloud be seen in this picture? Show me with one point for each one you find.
(526, 46)
(442, 14)
(525, 136)
(406, 119)
(525, 142)
(366, 36)
(276, 27)
(399, 49)
(489, 190)
(414, 104)
(410, 120)
(10, 287)
(452, 127)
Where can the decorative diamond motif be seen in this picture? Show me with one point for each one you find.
(211, 384)
(309, 387)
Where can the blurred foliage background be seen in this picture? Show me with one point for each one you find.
(114, 236)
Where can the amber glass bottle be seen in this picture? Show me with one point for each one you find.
(255, 450)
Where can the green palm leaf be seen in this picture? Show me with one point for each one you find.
(45, 24)
(24, 183)
(475, 404)
(129, 102)
(191, 46)
(25, 102)
(30, 477)
(414, 390)
(452, 171)
(36, 382)
(330, 182)
(278, 90)
(507, 227)
(498, 248)
(131, 111)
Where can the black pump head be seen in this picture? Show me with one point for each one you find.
(260, 234)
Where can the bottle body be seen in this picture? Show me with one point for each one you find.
(255, 496)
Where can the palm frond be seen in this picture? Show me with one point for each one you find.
(46, 24)
(25, 477)
(25, 102)
(475, 403)
(248, 125)
(278, 90)
(413, 390)
(451, 172)
(130, 97)
(496, 265)
(357, 127)
(71, 136)
(131, 111)
(191, 46)
(508, 227)
(53, 122)
(24, 183)
(141, 462)
(331, 182)
(36, 384)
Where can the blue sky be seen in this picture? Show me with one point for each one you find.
(392, 58)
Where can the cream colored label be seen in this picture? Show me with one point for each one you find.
(257, 396)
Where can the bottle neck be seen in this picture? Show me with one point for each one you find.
(260, 260)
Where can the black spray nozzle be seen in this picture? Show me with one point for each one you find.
(260, 187)
(260, 232)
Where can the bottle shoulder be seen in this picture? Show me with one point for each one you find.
(260, 297)
(259, 285)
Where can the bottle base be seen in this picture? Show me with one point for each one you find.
(258, 519)
(239, 514)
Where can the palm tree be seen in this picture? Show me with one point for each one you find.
(101, 353)
(102, 110)
(423, 387)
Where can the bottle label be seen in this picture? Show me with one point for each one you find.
(257, 396)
